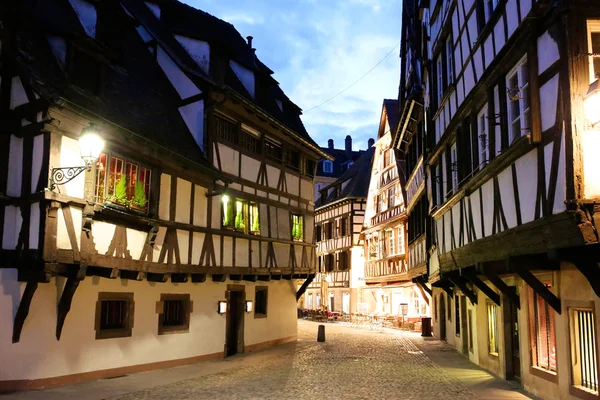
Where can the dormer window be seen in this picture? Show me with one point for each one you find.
(327, 166)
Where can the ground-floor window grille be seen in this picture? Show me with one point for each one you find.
(542, 335)
(492, 316)
(583, 349)
(470, 327)
(457, 315)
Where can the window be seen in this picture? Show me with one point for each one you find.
(391, 241)
(454, 167)
(114, 315)
(542, 335)
(439, 181)
(449, 60)
(519, 112)
(225, 129)
(310, 168)
(489, 7)
(343, 261)
(318, 232)
(250, 141)
(240, 215)
(297, 227)
(260, 302)
(594, 48)
(435, 310)
(391, 197)
(457, 316)
(318, 301)
(327, 166)
(492, 320)
(122, 182)
(293, 159)
(310, 301)
(584, 367)
(173, 313)
(386, 158)
(372, 248)
(331, 301)
(344, 226)
(440, 79)
(273, 149)
(328, 230)
(86, 72)
(400, 235)
(483, 137)
(379, 203)
(329, 262)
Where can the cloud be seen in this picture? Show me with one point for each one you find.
(243, 18)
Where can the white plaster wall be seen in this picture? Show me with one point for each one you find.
(40, 355)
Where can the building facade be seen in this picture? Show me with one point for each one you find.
(339, 217)
(391, 290)
(185, 236)
(510, 120)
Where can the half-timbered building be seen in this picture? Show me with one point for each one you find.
(511, 117)
(339, 217)
(384, 233)
(156, 192)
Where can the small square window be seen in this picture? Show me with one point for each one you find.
(114, 315)
(297, 227)
(260, 302)
(173, 313)
(584, 363)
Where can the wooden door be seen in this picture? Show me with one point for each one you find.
(514, 334)
(235, 329)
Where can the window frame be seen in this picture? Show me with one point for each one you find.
(493, 347)
(449, 60)
(391, 237)
(593, 26)
(301, 225)
(572, 306)
(327, 166)
(257, 308)
(128, 318)
(454, 167)
(534, 333)
(152, 184)
(439, 66)
(482, 130)
(519, 70)
(247, 215)
(160, 308)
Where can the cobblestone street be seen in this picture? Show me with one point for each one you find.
(354, 363)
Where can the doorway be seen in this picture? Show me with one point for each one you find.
(234, 336)
(464, 325)
(331, 301)
(442, 317)
(513, 337)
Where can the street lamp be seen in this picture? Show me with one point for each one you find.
(90, 146)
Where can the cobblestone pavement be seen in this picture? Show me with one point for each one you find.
(352, 364)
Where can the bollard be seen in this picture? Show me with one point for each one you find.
(321, 334)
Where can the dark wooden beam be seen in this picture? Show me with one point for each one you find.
(264, 278)
(235, 277)
(219, 277)
(422, 284)
(504, 288)
(422, 288)
(488, 291)
(109, 273)
(23, 310)
(541, 289)
(198, 278)
(302, 289)
(287, 277)
(127, 274)
(276, 277)
(250, 278)
(64, 305)
(459, 283)
(179, 278)
(153, 277)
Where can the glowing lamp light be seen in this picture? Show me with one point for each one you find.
(221, 307)
(592, 103)
(249, 306)
(90, 145)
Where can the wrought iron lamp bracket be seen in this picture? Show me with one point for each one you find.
(60, 176)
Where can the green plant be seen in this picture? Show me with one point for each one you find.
(121, 190)
(139, 197)
(255, 223)
(239, 220)
(227, 212)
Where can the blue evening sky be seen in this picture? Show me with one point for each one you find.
(319, 47)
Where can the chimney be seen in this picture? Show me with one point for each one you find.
(249, 38)
(330, 144)
(348, 146)
(370, 143)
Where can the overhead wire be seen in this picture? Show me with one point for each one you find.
(355, 82)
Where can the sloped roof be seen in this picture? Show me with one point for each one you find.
(358, 177)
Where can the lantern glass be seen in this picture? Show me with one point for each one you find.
(90, 145)
(222, 307)
(249, 306)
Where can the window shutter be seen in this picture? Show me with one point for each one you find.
(190, 304)
(160, 307)
(131, 315)
(98, 315)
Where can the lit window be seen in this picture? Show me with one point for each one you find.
(254, 218)
(327, 166)
(584, 367)
(594, 49)
(310, 301)
(542, 334)
(240, 215)
(122, 182)
(297, 227)
(492, 319)
(482, 136)
(519, 113)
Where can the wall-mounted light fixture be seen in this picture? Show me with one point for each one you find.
(592, 103)
(90, 146)
(221, 307)
(249, 307)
